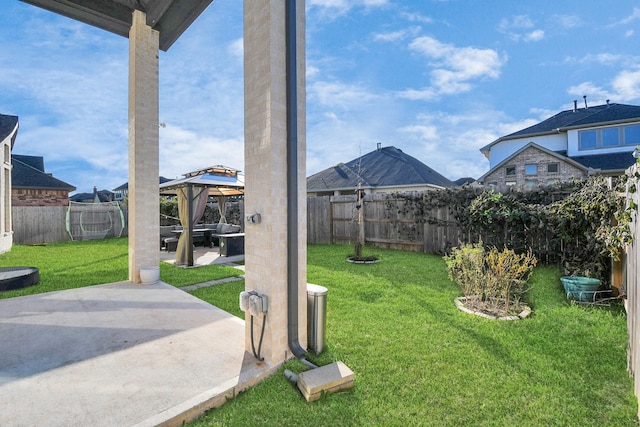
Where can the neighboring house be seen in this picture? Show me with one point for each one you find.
(573, 144)
(386, 169)
(120, 193)
(8, 131)
(95, 197)
(32, 186)
(464, 181)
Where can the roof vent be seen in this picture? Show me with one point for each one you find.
(585, 101)
(575, 105)
(379, 145)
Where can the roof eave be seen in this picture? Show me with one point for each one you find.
(601, 124)
(36, 187)
(170, 18)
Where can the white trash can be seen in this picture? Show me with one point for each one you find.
(316, 317)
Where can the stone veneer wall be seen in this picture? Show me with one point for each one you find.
(533, 155)
(39, 197)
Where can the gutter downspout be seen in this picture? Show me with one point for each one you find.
(292, 180)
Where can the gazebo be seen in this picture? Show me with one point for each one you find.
(193, 191)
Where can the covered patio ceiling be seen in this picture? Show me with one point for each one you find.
(169, 17)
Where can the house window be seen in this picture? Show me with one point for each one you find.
(531, 183)
(632, 135)
(510, 183)
(510, 171)
(588, 139)
(610, 137)
(553, 168)
(553, 181)
(531, 169)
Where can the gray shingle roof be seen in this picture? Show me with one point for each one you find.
(606, 162)
(103, 196)
(582, 117)
(28, 172)
(7, 125)
(384, 167)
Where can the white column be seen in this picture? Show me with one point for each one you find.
(144, 202)
(266, 171)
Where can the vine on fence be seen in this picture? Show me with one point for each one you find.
(585, 222)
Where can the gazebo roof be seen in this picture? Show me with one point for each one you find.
(169, 17)
(221, 181)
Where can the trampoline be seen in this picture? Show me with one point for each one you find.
(18, 277)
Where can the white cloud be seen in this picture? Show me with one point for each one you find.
(534, 36)
(312, 71)
(450, 143)
(605, 58)
(183, 151)
(566, 21)
(426, 94)
(635, 15)
(453, 68)
(236, 48)
(339, 95)
(396, 35)
(623, 87)
(417, 17)
(335, 8)
(391, 36)
(520, 27)
(627, 85)
(516, 22)
(595, 94)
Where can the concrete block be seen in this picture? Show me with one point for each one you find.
(325, 379)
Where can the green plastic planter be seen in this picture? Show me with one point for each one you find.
(580, 288)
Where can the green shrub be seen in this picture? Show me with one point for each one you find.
(498, 279)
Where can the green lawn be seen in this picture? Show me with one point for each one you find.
(417, 359)
(77, 264)
(420, 361)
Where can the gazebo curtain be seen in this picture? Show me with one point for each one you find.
(222, 204)
(184, 254)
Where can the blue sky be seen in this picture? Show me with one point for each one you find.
(436, 78)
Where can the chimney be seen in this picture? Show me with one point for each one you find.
(575, 105)
(607, 102)
(379, 146)
(585, 101)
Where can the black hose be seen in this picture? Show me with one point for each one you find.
(264, 322)
(253, 347)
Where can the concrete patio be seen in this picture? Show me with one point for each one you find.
(119, 354)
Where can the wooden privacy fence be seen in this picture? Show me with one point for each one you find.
(33, 225)
(390, 221)
(385, 223)
(39, 224)
(632, 303)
